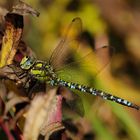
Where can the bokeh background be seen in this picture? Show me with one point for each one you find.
(111, 22)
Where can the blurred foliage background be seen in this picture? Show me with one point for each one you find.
(111, 22)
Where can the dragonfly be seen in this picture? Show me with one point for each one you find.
(46, 71)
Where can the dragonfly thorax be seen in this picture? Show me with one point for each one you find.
(42, 71)
(37, 69)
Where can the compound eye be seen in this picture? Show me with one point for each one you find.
(26, 63)
(26, 57)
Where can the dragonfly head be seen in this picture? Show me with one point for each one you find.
(27, 62)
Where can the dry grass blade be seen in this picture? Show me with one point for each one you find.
(41, 114)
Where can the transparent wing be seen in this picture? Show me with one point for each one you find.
(93, 62)
(69, 41)
(72, 102)
(71, 47)
(79, 58)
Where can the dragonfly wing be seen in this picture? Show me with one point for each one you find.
(69, 40)
(97, 60)
(93, 63)
(72, 102)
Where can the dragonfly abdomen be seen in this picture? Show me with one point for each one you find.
(93, 91)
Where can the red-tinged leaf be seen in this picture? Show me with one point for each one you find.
(11, 38)
(55, 116)
(2, 106)
(18, 134)
(4, 126)
(44, 111)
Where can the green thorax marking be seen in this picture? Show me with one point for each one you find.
(40, 70)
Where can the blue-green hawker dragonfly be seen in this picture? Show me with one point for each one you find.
(46, 71)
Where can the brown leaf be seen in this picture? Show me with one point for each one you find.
(53, 128)
(44, 111)
(2, 106)
(11, 72)
(15, 100)
(3, 13)
(11, 38)
(23, 50)
(23, 8)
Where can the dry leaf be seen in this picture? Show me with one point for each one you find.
(11, 38)
(15, 100)
(23, 8)
(11, 72)
(44, 110)
(53, 128)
